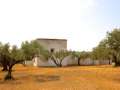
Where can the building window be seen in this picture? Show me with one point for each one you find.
(52, 50)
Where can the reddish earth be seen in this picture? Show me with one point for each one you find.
(66, 78)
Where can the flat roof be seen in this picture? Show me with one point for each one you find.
(50, 39)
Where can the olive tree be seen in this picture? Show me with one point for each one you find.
(58, 57)
(30, 49)
(9, 58)
(101, 52)
(113, 42)
(80, 55)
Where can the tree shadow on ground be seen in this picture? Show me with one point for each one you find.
(46, 78)
(12, 82)
(21, 77)
(37, 77)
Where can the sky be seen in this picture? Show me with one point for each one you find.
(83, 23)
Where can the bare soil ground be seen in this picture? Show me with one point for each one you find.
(66, 78)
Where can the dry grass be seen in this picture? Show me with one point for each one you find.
(66, 78)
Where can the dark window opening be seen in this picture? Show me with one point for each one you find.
(52, 50)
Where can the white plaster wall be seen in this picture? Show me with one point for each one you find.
(69, 61)
(29, 63)
(87, 61)
(37, 61)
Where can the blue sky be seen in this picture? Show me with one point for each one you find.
(83, 23)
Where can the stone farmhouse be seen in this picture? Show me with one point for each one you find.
(56, 45)
(50, 45)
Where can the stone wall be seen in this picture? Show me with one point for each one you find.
(56, 44)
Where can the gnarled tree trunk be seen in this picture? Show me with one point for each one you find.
(11, 64)
(79, 61)
(9, 74)
(115, 60)
(5, 68)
